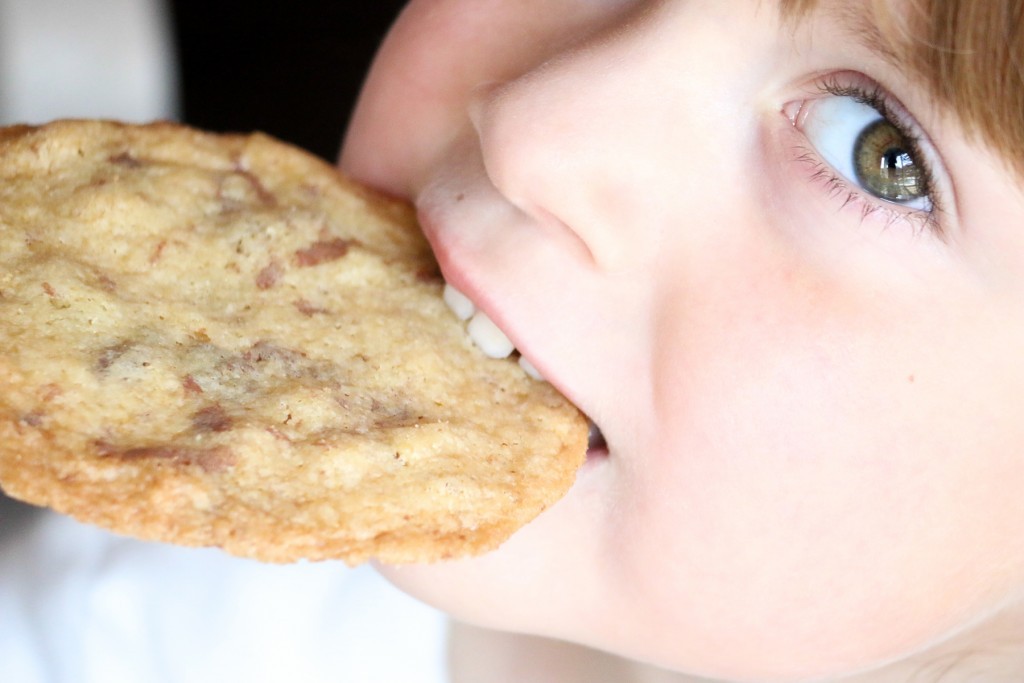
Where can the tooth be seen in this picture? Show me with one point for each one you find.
(486, 335)
(459, 303)
(530, 368)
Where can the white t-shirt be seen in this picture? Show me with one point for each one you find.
(80, 605)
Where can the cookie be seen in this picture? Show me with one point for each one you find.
(218, 340)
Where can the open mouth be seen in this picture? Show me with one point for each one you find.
(495, 344)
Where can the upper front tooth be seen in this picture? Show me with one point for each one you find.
(486, 335)
(459, 303)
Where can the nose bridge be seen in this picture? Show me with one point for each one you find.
(606, 138)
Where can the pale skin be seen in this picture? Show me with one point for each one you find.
(811, 394)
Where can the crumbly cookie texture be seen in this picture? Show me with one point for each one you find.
(218, 340)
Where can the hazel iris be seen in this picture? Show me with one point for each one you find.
(885, 164)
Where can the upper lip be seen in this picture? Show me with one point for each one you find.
(442, 212)
(460, 279)
(483, 304)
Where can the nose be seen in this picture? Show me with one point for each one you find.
(549, 141)
(605, 138)
(434, 58)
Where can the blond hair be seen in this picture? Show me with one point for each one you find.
(968, 53)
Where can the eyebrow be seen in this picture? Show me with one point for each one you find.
(968, 56)
(860, 24)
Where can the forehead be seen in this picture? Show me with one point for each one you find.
(870, 23)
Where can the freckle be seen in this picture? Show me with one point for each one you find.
(460, 196)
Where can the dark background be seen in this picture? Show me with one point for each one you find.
(290, 69)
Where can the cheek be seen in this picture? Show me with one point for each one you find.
(818, 467)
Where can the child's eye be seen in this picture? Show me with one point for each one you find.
(870, 149)
(867, 149)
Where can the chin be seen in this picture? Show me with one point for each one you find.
(539, 581)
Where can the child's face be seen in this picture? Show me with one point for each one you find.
(811, 395)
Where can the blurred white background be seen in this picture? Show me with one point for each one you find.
(86, 58)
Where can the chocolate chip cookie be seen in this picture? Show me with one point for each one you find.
(219, 340)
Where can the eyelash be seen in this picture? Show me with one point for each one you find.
(878, 99)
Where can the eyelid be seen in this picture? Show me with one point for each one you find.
(872, 93)
(868, 91)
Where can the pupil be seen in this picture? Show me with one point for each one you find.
(884, 166)
(894, 160)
